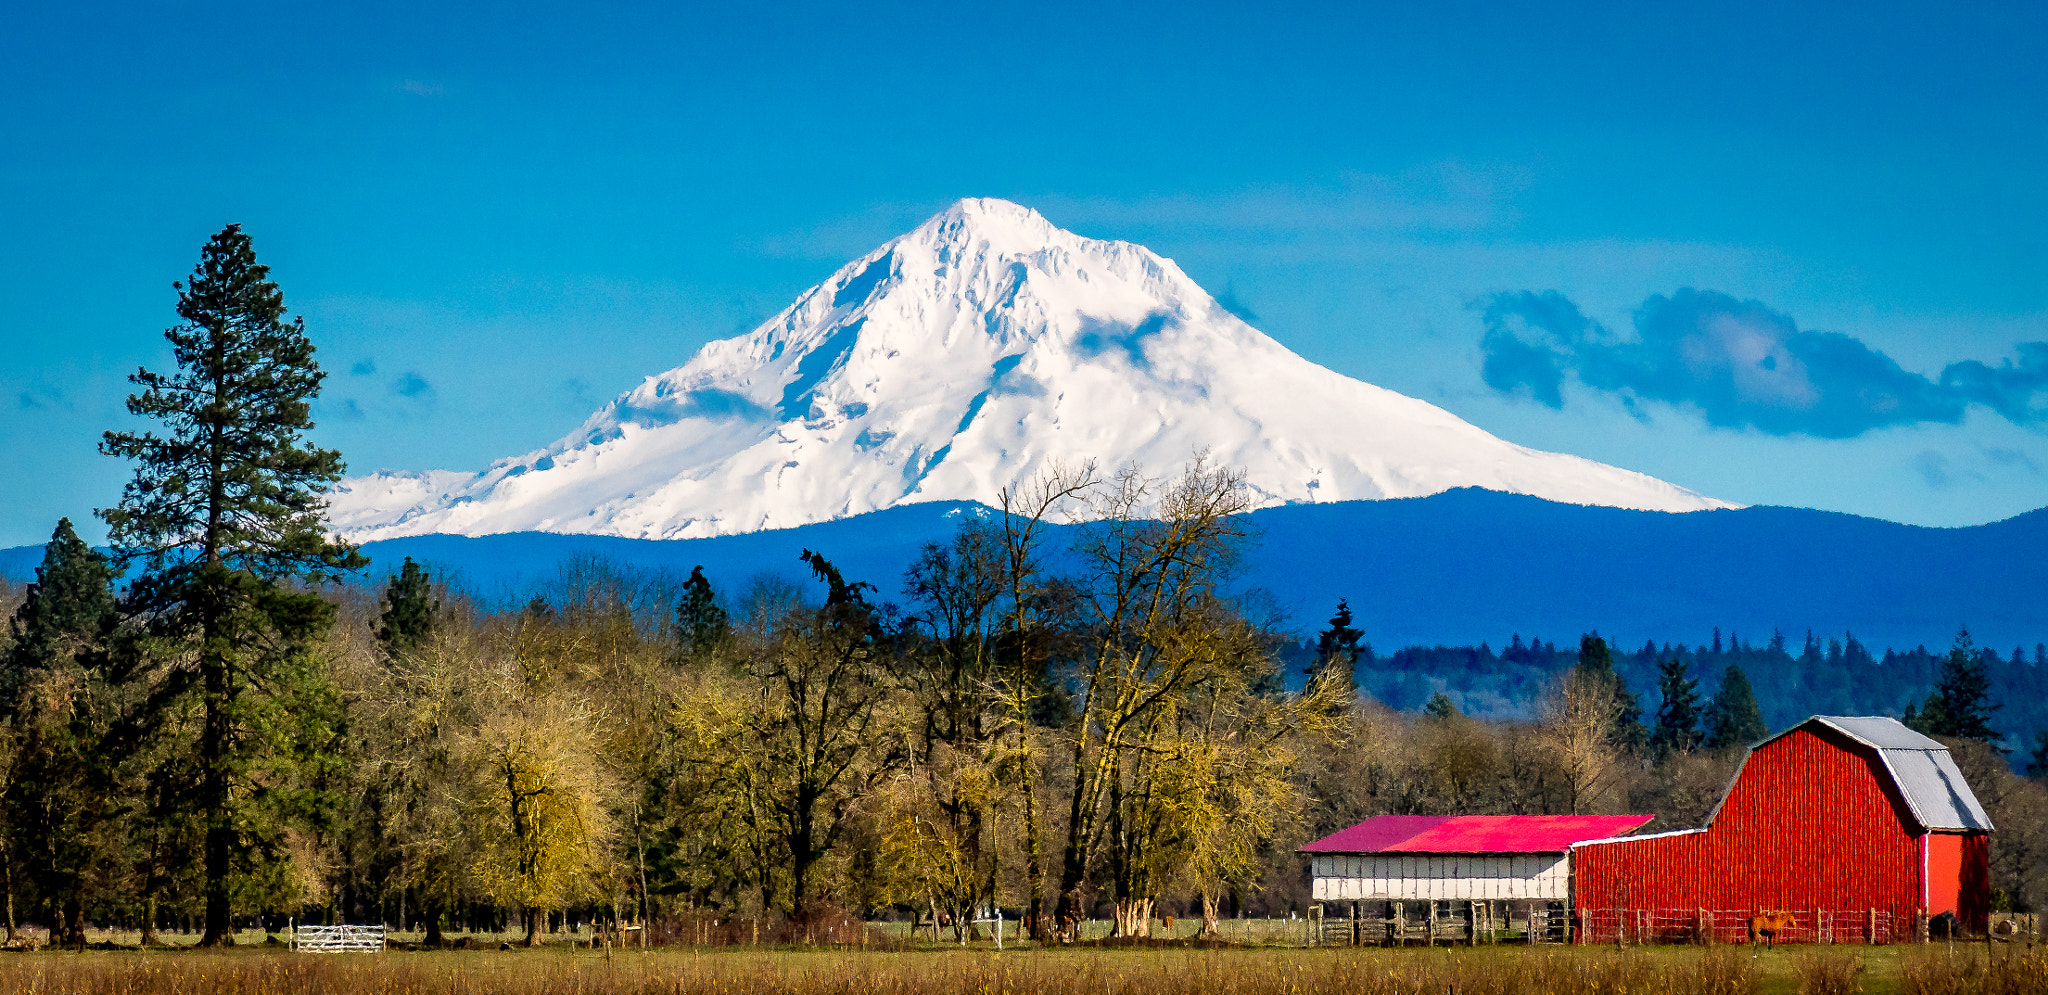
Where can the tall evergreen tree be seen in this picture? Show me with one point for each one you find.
(60, 788)
(1734, 719)
(1678, 710)
(1963, 693)
(1337, 649)
(66, 610)
(701, 625)
(409, 607)
(225, 511)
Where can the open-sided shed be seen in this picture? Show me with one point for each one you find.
(1858, 827)
(1452, 873)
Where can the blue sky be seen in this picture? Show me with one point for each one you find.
(493, 218)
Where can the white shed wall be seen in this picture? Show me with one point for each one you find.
(1343, 877)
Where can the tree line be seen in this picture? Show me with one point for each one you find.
(1831, 676)
(225, 718)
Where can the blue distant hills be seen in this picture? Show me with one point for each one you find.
(1453, 568)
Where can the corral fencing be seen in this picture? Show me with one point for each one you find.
(338, 939)
(1870, 926)
(1386, 922)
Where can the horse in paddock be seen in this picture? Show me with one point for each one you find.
(1167, 921)
(1767, 926)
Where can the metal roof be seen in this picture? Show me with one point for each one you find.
(1925, 774)
(1474, 833)
(1880, 731)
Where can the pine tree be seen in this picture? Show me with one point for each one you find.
(1337, 649)
(409, 607)
(701, 625)
(1734, 720)
(60, 786)
(1964, 693)
(65, 611)
(225, 511)
(1678, 712)
(1440, 707)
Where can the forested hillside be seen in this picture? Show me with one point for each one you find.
(1814, 675)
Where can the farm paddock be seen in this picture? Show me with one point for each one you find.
(1141, 971)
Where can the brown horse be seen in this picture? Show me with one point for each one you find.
(1768, 926)
(1167, 921)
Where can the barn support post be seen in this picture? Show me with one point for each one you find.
(1870, 929)
(1357, 926)
(1400, 923)
(1429, 926)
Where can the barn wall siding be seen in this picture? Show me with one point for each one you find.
(1813, 822)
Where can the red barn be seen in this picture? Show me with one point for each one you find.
(1858, 827)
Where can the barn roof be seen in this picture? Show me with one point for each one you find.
(1926, 775)
(1474, 833)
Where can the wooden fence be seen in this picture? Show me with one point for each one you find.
(1869, 926)
(338, 939)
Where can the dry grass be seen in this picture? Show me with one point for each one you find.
(1107, 972)
(1971, 969)
(1826, 971)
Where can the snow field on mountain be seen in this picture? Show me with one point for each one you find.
(959, 359)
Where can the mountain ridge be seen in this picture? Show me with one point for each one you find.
(1450, 568)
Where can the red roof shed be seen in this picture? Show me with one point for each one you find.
(1857, 825)
(1471, 857)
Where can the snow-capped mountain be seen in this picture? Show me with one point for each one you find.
(956, 360)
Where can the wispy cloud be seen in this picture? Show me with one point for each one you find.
(412, 385)
(44, 397)
(1740, 364)
(1427, 200)
(1934, 468)
(363, 368)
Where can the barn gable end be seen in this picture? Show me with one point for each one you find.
(1837, 815)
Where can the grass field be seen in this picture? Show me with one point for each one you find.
(1119, 971)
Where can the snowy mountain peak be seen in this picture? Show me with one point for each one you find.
(958, 359)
